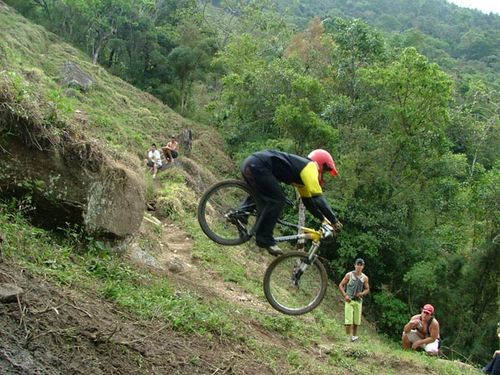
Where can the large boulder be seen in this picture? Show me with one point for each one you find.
(115, 203)
(61, 176)
(73, 182)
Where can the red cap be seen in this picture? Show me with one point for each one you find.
(428, 308)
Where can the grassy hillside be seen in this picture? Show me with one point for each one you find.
(91, 309)
(112, 111)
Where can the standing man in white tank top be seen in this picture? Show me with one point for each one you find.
(354, 286)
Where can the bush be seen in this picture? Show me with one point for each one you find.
(392, 313)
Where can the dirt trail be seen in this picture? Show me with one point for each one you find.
(176, 245)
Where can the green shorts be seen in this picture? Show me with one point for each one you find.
(353, 312)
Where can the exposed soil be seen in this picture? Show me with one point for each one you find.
(176, 246)
(54, 330)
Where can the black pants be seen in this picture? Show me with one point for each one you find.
(493, 367)
(259, 176)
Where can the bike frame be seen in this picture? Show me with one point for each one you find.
(308, 234)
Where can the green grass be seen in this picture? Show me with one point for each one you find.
(123, 117)
(97, 268)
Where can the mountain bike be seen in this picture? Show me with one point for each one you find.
(294, 283)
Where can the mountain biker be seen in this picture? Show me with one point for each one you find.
(264, 170)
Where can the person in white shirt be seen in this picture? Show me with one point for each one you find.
(154, 160)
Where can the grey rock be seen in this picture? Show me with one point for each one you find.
(74, 76)
(176, 265)
(142, 257)
(9, 292)
(74, 182)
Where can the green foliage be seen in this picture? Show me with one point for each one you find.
(356, 46)
(393, 313)
(289, 103)
(60, 102)
(429, 271)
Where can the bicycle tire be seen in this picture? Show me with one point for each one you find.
(216, 206)
(290, 298)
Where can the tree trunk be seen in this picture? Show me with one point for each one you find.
(101, 42)
(186, 141)
(95, 55)
(111, 58)
(45, 7)
(302, 220)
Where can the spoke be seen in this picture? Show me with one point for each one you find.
(295, 285)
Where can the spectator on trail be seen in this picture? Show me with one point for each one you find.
(265, 170)
(354, 286)
(422, 332)
(493, 367)
(171, 150)
(154, 160)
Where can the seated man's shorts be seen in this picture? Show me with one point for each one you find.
(432, 347)
(353, 312)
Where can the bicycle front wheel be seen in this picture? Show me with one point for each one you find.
(228, 211)
(294, 287)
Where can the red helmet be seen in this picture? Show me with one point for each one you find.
(325, 162)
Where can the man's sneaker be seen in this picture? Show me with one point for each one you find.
(274, 250)
(354, 338)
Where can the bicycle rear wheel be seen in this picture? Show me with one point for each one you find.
(291, 290)
(228, 212)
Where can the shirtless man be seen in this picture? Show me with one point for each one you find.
(422, 331)
(171, 150)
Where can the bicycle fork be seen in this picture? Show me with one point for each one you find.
(301, 266)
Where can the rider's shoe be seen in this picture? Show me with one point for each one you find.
(354, 338)
(274, 250)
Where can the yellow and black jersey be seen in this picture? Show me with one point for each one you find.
(293, 169)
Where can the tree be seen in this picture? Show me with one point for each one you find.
(102, 19)
(356, 46)
(314, 49)
(395, 141)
